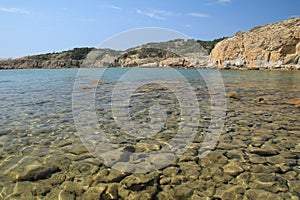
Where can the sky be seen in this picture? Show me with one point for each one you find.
(34, 26)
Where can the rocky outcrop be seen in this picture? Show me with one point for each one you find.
(274, 46)
(67, 59)
(27, 63)
(175, 53)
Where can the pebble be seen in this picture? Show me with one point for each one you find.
(256, 156)
(109, 175)
(34, 171)
(264, 151)
(233, 168)
(183, 192)
(230, 192)
(261, 194)
(233, 95)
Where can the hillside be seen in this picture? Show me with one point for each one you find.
(66, 59)
(273, 46)
(175, 53)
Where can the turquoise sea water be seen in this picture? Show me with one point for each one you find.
(37, 99)
(36, 112)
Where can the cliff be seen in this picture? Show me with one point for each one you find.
(273, 46)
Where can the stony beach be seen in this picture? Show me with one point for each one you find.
(256, 156)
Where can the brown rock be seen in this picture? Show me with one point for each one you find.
(109, 176)
(138, 182)
(99, 83)
(294, 101)
(230, 192)
(111, 192)
(183, 192)
(264, 151)
(71, 187)
(232, 96)
(94, 192)
(233, 168)
(214, 158)
(294, 186)
(268, 47)
(29, 170)
(261, 194)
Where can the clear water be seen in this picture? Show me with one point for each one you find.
(40, 99)
(36, 107)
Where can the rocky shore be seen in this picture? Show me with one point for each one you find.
(178, 53)
(256, 157)
(270, 47)
(273, 46)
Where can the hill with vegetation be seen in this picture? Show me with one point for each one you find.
(272, 46)
(175, 53)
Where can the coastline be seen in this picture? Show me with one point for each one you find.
(229, 68)
(257, 153)
(270, 47)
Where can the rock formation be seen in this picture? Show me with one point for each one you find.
(274, 46)
(67, 59)
(175, 53)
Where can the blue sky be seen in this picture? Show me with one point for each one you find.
(36, 26)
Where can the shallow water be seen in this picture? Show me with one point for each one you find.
(256, 156)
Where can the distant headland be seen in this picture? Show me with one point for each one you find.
(273, 46)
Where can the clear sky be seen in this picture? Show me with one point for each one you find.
(40, 26)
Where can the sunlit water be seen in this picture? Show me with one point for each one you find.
(36, 120)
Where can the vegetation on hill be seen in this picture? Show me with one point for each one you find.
(79, 53)
(209, 45)
(148, 52)
(168, 53)
(74, 54)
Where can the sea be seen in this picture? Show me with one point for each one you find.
(124, 133)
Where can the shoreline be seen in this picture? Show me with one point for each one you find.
(256, 155)
(283, 68)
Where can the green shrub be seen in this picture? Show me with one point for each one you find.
(209, 45)
(79, 53)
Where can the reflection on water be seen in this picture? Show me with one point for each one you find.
(257, 155)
